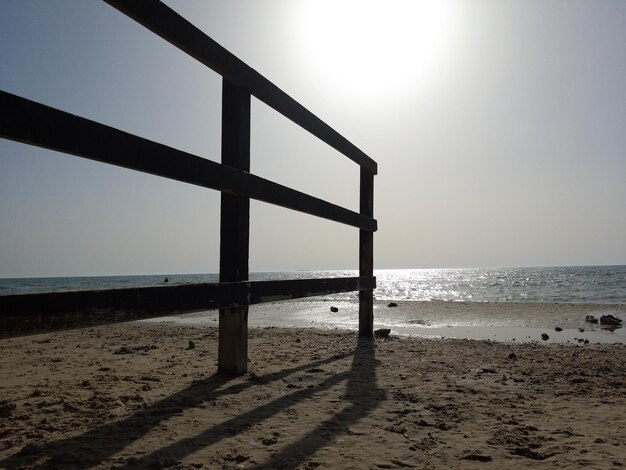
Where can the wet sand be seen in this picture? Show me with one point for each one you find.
(500, 321)
(144, 395)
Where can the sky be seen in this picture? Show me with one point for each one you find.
(499, 128)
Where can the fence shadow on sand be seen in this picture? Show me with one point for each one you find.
(97, 445)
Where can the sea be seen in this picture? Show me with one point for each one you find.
(573, 284)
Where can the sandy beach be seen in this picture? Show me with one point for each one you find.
(145, 395)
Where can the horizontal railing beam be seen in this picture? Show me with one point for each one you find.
(22, 314)
(33, 123)
(166, 23)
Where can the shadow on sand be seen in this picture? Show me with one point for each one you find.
(361, 397)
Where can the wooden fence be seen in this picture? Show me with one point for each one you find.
(33, 123)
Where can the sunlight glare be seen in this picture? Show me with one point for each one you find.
(374, 47)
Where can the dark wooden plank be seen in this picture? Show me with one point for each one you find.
(33, 123)
(234, 229)
(23, 314)
(366, 255)
(235, 209)
(166, 23)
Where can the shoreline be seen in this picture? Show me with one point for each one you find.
(495, 321)
(139, 395)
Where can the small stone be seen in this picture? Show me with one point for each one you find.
(334, 309)
(544, 336)
(269, 441)
(392, 304)
(558, 328)
(591, 319)
(610, 320)
(192, 345)
(512, 356)
(382, 333)
(582, 330)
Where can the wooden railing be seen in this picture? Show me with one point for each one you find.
(33, 123)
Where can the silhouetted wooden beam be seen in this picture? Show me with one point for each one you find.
(165, 22)
(22, 314)
(33, 123)
(232, 357)
(366, 255)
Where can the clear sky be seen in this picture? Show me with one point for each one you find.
(499, 127)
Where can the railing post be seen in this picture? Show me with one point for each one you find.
(234, 229)
(366, 255)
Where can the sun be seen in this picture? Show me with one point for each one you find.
(374, 47)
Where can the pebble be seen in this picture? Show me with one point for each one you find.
(610, 320)
(269, 441)
(382, 333)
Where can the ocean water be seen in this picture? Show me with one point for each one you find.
(577, 284)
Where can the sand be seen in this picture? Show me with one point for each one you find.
(145, 395)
